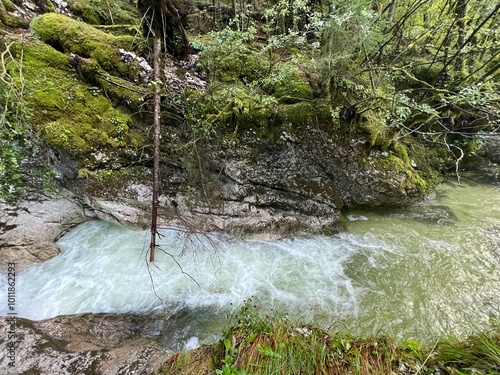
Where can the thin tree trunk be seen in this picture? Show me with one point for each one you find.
(390, 16)
(242, 13)
(471, 37)
(233, 8)
(156, 147)
(460, 14)
(214, 18)
(387, 28)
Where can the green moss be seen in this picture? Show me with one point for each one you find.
(50, 7)
(7, 19)
(230, 106)
(70, 115)
(297, 114)
(114, 87)
(9, 6)
(244, 66)
(105, 12)
(228, 56)
(85, 10)
(68, 35)
(401, 173)
(288, 85)
(400, 150)
(376, 130)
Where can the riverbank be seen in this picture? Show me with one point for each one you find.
(262, 345)
(108, 344)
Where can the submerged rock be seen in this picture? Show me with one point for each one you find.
(428, 213)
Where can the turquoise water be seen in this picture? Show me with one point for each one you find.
(418, 273)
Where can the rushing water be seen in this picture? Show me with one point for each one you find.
(418, 273)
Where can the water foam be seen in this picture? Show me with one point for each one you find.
(391, 275)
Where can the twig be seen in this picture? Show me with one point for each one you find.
(457, 161)
(428, 356)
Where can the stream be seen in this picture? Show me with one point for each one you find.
(419, 273)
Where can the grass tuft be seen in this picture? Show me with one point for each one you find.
(478, 354)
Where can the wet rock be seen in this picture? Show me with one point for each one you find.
(263, 188)
(29, 228)
(486, 164)
(491, 148)
(295, 184)
(106, 344)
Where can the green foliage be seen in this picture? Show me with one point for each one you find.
(287, 85)
(18, 141)
(14, 128)
(257, 344)
(251, 85)
(351, 33)
(265, 345)
(8, 19)
(424, 69)
(11, 176)
(9, 6)
(228, 367)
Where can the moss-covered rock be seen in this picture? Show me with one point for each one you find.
(304, 113)
(287, 85)
(230, 106)
(9, 6)
(401, 173)
(105, 12)
(117, 88)
(71, 115)
(68, 35)
(228, 56)
(375, 130)
(7, 19)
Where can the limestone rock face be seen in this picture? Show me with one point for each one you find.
(104, 344)
(273, 188)
(29, 228)
(291, 185)
(294, 184)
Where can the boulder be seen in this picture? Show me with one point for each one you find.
(106, 344)
(29, 228)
